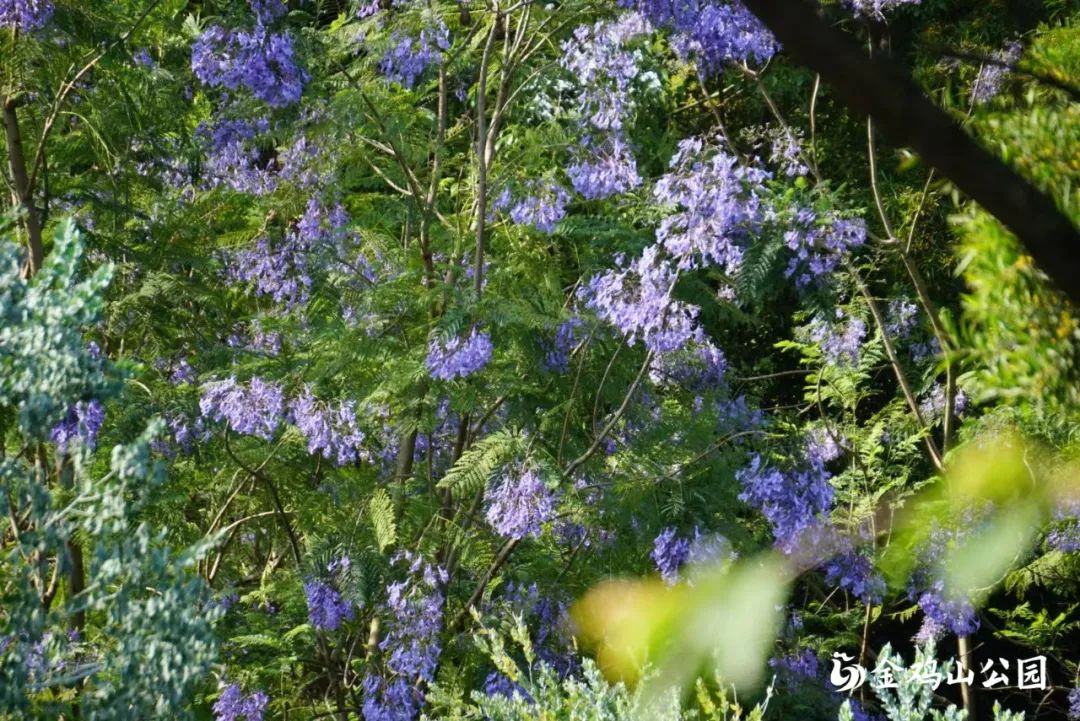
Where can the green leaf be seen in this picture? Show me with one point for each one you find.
(381, 510)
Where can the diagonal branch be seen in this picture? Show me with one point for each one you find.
(885, 91)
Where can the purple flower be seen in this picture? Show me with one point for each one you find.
(225, 601)
(327, 609)
(715, 206)
(266, 11)
(794, 502)
(1074, 704)
(25, 16)
(786, 153)
(818, 246)
(603, 168)
(497, 684)
(82, 424)
(330, 431)
(603, 69)
(457, 357)
(699, 368)
(1066, 536)
(877, 8)
(992, 75)
(256, 409)
(637, 299)
(143, 58)
(709, 32)
(932, 405)
(232, 705)
(798, 666)
(902, 317)
(854, 572)
(259, 60)
(545, 207)
(669, 554)
(234, 157)
(367, 9)
(950, 608)
(406, 61)
(839, 342)
(181, 372)
(709, 548)
(930, 631)
(411, 646)
(519, 504)
(546, 616)
(282, 268)
(952, 612)
(557, 358)
(715, 199)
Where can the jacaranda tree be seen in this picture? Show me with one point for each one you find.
(346, 344)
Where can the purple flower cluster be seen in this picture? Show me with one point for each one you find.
(671, 552)
(411, 646)
(406, 61)
(180, 371)
(599, 61)
(603, 167)
(254, 409)
(1066, 536)
(699, 368)
(637, 299)
(794, 502)
(949, 612)
(81, 424)
(736, 415)
(949, 609)
(819, 247)
(234, 158)
(932, 405)
(281, 269)
(715, 199)
(459, 357)
(186, 432)
(877, 8)
(926, 350)
(992, 75)
(519, 504)
(604, 70)
(547, 619)
(557, 358)
(542, 208)
(854, 572)
(232, 705)
(710, 32)
(327, 608)
(330, 431)
(707, 548)
(571, 534)
(840, 341)
(256, 338)
(268, 10)
(299, 164)
(25, 16)
(798, 666)
(1074, 704)
(901, 317)
(498, 684)
(262, 61)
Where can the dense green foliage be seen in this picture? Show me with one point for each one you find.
(400, 322)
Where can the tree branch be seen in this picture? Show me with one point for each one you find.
(883, 90)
